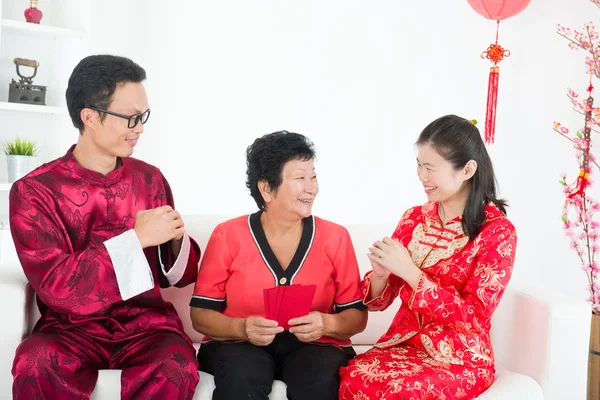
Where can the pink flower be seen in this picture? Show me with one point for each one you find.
(582, 228)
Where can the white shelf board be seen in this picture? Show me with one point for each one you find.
(33, 108)
(26, 28)
(5, 186)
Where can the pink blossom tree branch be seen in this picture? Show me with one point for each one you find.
(579, 210)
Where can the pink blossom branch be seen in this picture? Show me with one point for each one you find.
(587, 44)
(575, 145)
(589, 266)
(574, 42)
(587, 241)
(564, 135)
(596, 164)
(579, 211)
(593, 50)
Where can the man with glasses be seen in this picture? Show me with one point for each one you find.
(97, 236)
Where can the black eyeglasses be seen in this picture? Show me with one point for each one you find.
(132, 120)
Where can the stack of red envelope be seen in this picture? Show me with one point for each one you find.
(283, 303)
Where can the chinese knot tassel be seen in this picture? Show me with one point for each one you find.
(492, 100)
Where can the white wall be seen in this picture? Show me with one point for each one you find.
(361, 79)
(57, 54)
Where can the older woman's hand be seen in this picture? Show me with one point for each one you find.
(309, 327)
(260, 331)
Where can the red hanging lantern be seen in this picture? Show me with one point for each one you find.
(496, 10)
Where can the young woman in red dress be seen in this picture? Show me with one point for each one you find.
(449, 260)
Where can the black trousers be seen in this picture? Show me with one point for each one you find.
(245, 371)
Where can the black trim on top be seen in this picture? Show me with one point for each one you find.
(208, 302)
(358, 304)
(283, 277)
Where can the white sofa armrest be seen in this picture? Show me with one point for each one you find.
(544, 335)
(17, 296)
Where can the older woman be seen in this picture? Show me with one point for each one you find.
(281, 244)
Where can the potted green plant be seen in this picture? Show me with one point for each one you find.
(20, 157)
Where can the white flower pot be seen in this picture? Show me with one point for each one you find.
(19, 166)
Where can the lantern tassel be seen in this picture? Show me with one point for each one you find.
(492, 100)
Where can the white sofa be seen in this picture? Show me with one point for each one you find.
(540, 338)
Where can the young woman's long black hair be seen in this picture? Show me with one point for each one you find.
(458, 141)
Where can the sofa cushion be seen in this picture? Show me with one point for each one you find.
(507, 385)
(511, 385)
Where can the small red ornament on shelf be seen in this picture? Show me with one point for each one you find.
(33, 14)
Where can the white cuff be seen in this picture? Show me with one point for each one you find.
(130, 264)
(178, 269)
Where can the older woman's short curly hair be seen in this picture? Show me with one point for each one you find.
(268, 154)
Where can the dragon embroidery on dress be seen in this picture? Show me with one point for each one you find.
(394, 340)
(373, 371)
(491, 286)
(443, 353)
(479, 350)
(504, 249)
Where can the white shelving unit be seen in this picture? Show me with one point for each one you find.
(33, 108)
(58, 43)
(35, 30)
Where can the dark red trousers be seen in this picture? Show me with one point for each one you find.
(61, 365)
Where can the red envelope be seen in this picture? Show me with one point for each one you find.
(281, 290)
(269, 302)
(283, 303)
(296, 302)
(266, 302)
